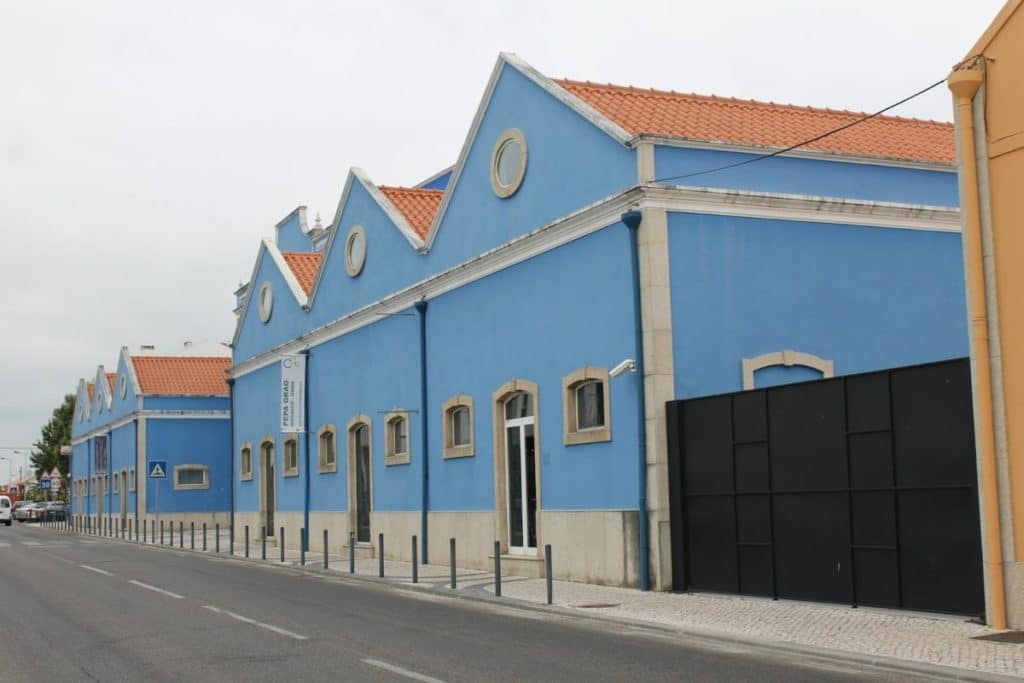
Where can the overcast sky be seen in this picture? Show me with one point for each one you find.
(145, 148)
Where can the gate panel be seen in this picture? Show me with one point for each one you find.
(856, 489)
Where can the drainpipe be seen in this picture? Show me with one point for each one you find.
(964, 84)
(231, 470)
(421, 308)
(135, 482)
(632, 220)
(304, 541)
(110, 475)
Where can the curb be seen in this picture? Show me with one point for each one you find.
(863, 662)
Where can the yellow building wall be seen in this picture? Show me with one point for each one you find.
(1000, 184)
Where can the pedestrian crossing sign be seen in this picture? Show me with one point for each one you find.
(157, 469)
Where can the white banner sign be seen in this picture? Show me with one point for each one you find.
(293, 394)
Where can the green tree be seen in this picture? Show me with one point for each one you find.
(56, 433)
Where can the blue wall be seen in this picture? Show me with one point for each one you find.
(867, 298)
(808, 176)
(122, 449)
(255, 415)
(190, 441)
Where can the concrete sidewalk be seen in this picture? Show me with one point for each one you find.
(863, 633)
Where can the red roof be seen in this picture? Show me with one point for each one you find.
(418, 205)
(765, 124)
(182, 375)
(305, 265)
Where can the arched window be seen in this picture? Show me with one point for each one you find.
(360, 482)
(458, 426)
(291, 457)
(397, 438)
(245, 466)
(586, 406)
(788, 359)
(327, 453)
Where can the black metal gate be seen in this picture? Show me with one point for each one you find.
(859, 489)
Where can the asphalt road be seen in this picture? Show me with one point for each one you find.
(84, 609)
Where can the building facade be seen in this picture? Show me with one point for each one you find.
(174, 410)
(488, 356)
(990, 130)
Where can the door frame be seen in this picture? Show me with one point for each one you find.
(353, 507)
(501, 514)
(267, 439)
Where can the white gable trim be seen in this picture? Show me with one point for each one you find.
(546, 84)
(389, 209)
(607, 212)
(103, 389)
(82, 398)
(268, 247)
(422, 185)
(126, 357)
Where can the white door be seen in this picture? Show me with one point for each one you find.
(521, 474)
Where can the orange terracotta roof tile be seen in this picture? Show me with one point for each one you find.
(182, 375)
(112, 379)
(766, 124)
(91, 388)
(305, 266)
(418, 205)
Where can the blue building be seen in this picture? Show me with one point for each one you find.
(487, 356)
(171, 409)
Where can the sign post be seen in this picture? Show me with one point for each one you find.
(157, 471)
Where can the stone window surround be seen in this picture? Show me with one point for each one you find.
(243, 473)
(353, 269)
(498, 400)
(390, 457)
(505, 191)
(571, 435)
(293, 442)
(450, 449)
(350, 429)
(190, 487)
(131, 480)
(327, 467)
(116, 489)
(787, 358)
(265, 301)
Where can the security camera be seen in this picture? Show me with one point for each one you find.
(628, 365)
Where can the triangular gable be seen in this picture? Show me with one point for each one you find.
(394, 214)
(269, 249)
(507, 59)
(83, 400)
(126, 368)
(291, 233)
(104, 395)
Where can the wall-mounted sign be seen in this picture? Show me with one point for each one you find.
(293, 394)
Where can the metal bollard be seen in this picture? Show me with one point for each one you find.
(192, 536)
(263, 543)
(161, 532)
(547, 568)
(181, 534)
(351, 553)
(451, 556)
(204, 537)
(497, 569)
(325, 548)
(216, 537)
(302, 547)
(380, 555)
(231, 540)
(415, 573)
(247, 541)
(282, 544)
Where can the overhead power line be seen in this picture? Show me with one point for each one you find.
(762, 157)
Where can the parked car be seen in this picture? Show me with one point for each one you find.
(28, 512)
(5, 510)
(53, 510)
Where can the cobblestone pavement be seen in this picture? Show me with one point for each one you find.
(931, 639)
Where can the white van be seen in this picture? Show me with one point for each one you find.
(5, 510)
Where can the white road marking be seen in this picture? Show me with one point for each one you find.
(402, 672)
(246, 620)
(31, 543)
(5, 545)
(97, 570)
(156, 590)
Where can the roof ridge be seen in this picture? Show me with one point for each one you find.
(179, 357)
(737, 100)
(400, 188)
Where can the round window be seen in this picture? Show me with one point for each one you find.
(124, 386)
(508, 163)
(266, 301)
(355, 250)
